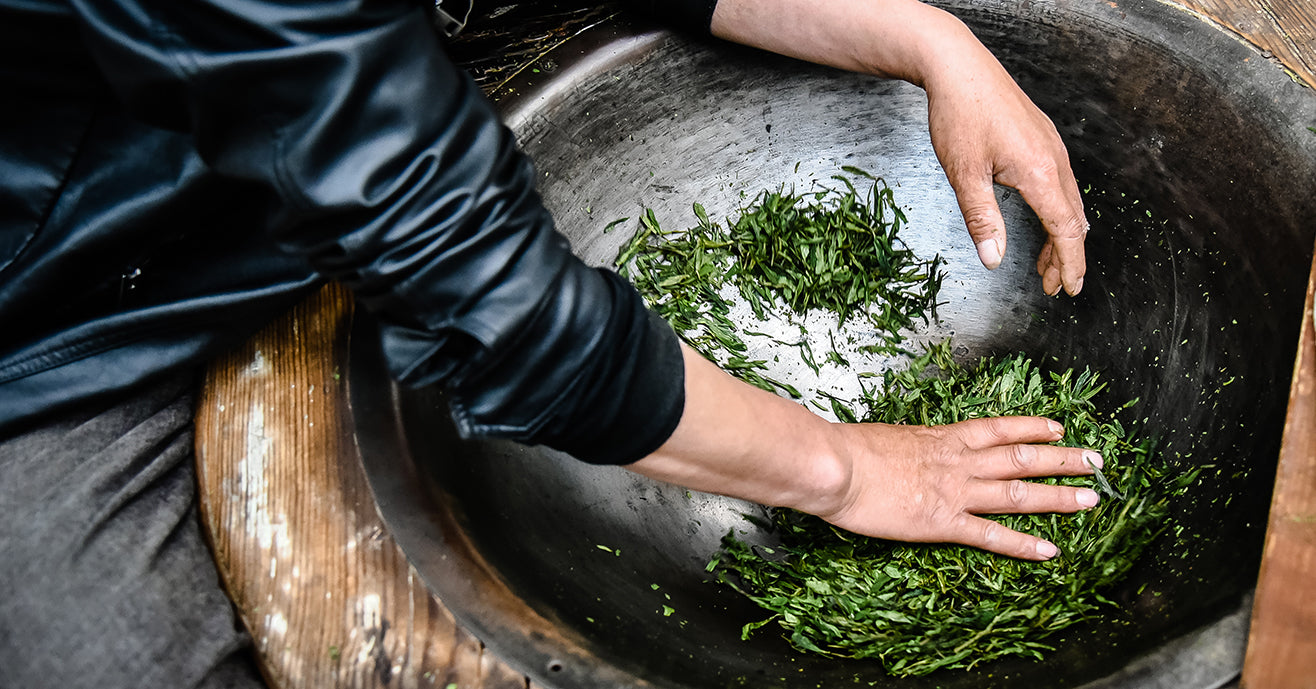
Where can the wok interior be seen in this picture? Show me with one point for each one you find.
(1201, 212)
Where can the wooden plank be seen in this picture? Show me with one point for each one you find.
(325, 592)
(1285, 29)
(1281, 650)
(327, 595)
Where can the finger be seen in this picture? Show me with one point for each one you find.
(1050, 276)
(991, 536)
(1072, 257)
(1053, 194)
(1051, 279)
(1044, 257)
(1028, 461)
(996, 431)
(1023, 497)
(982, 217)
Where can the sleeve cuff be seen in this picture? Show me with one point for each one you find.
(645, 413)
(692, 15)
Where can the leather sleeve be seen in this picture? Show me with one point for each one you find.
(692, 15)
(396, 177)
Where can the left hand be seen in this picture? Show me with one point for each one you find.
(929, 484)
(985, 130)
(909, 483)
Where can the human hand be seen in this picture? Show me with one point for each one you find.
(927, 484)
(984, 130)
(910, 483)
(983, 127)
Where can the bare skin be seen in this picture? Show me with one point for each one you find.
(908, 483)
(923, 484)
(984, 129)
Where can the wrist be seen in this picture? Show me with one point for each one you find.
(828, 474)
(940, 49)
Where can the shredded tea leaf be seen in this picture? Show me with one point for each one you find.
(833, 249)
(923, 607)
(917, 608)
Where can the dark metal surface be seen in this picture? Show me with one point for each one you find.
(1199, 169)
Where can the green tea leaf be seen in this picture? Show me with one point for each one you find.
(920, 608)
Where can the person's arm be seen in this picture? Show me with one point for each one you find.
(384, 167)
(906, 483)
(984, 128)
(430, 215)
(901, 482)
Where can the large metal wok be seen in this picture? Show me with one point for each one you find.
(1200, 170)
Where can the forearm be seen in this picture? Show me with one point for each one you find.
(735, 439)
(903, 39)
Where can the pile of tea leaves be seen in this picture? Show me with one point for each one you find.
(922, 607)
(834, 248)
(916, 608)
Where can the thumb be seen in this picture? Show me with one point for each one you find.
(983, 219)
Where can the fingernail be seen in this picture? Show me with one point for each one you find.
(1055, 427)
(1093, 459)
(989, 252)
(1078, 287)
(1047, 550)
(1087, 498)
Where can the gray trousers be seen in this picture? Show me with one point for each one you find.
(105, 578)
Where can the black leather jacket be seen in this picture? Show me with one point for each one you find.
(175, 173)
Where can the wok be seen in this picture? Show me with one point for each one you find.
(1198, 167)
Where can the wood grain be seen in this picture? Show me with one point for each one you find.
(1281, 650)
(1285, 29)
(330, 599)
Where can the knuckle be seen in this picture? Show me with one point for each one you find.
(980, 221)
(1016, 494)
(996, 430)
(1075, 227)
(941, 521)
(934, 435)
(944, 445)
(962, 163)
(1023, 457)
(944, 458)
(1043, 172)
(940, 515)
